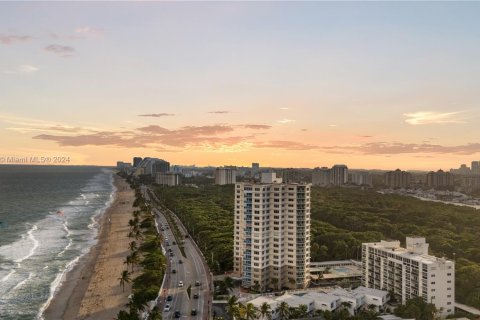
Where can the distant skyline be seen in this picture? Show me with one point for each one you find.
(375, 85)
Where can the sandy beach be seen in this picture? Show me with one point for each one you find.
(92, 290)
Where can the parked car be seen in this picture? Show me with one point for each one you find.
(180, 261)
(177, 314)
(174, 271)
(195, 296)
(167, 308)
(194, 312)
(197, 283)
(180, 283)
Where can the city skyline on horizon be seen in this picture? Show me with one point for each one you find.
(374, 85)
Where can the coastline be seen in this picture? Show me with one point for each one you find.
(78, 296)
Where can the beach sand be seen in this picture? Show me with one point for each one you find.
(92, 289)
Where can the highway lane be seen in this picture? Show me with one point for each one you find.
(189, 271)
(192, 269)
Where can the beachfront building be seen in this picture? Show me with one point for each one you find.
(137, 161)
(409, 272)
(272, 233)
(168, 179)
(225, 175)
(150, 166)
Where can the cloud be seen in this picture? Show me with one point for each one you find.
(62, 51)
(154, 129)
(283, 108)
(89, 31)
(288, 145)
(392, 148)
(27, 68)
(366, 136)
(256, 126)
(220, 112)
(12, 39)
(332, 125)
(23, 69)
(283, 121)
(430, 117)
(156, 115)
(212, 138)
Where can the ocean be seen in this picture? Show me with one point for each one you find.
(47, 221)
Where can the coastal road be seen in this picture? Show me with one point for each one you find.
(191, 269)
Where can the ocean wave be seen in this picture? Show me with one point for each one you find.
(21, 283)
(35, 244)
(55, 285)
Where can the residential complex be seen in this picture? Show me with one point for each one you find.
(321, 176)
(326, 299)
(410, 272)
(337, 175)
(225, 175)
(272, 233)
(361, 178)
(439, 179)
(397, 179)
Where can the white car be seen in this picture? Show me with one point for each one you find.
(180, 283)
(167, 308)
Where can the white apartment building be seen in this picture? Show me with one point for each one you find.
(225, 176)
(410, 272)
(272, 234)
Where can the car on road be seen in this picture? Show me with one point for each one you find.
(194, 312)
(195, 296)
(177, 314)
(174, 243)
(174, 271)
(167, 308)
(171, 254)
(180, 261)
(197, 283)
(180, 283)
(169, 298)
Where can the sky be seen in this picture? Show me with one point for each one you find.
(374, 85)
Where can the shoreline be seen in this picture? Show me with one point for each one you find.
(75, 292)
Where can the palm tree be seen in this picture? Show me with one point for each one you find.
(232, 306)
(228, 284)
(131, 224)
(132, 246)
(128, 261)
(283, 310)
(302, 310)
(155, 314)
(124, 278)
(134, 258)
(265, 311)
(250, 311)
